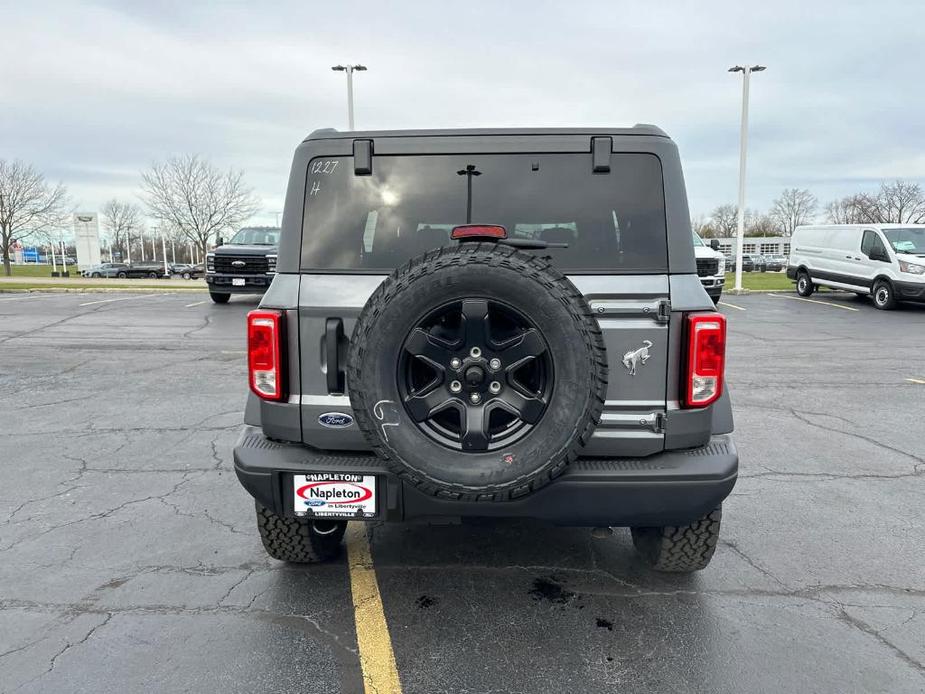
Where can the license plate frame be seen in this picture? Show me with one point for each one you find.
(238, 281)
(335, 495)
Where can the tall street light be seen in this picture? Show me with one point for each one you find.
(743, 147)
(349, 69)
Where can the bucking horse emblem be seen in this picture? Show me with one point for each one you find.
(633, 358)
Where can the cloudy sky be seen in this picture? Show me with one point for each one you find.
(92, 93)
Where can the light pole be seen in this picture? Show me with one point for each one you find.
(164, 253)
(743, 148)
(349, 70)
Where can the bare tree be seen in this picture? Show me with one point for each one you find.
(724, 220)
(191, 196)
(28, 205)
(851, 209)
(120, 220)
(898, 202)
(757, 224)
(793, 208)
(702, 226)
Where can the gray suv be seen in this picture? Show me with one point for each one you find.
(488, 324)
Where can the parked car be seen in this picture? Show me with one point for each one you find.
(187, 271)
(754, 263)
(150, 270)
(502, 349)
(244, 265)
(103, 270)
(775, 263)
(883, 261)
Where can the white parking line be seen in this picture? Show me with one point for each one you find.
(197, 303)
(738, 308)
(815, 301)
(30, 296)
(124, 298)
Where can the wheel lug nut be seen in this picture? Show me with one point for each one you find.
(475, 352)
(494, 364)
(495, 387)
(455, 386)
(455, 363)
(475, 398)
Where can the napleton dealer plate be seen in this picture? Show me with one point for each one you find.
(335, 495)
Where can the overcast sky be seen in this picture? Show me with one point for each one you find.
(92, 93)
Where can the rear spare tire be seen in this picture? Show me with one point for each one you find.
(477, 372)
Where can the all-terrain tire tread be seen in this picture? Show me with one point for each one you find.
(680, 549)
(292, 539)
(557, 285)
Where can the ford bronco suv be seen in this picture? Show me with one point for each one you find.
(488, 324)
(244, 265)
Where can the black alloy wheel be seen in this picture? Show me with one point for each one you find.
(475, 375)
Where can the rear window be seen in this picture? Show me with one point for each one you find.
(613, 222)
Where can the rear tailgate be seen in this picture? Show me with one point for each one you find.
(633, 312)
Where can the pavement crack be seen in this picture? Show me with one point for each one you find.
(879, 444)
(861, 625)
(752, 563)
(205, 324)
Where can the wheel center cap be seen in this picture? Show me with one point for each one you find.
(475, 375)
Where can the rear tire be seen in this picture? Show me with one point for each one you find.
(680, 549)
(152, 275)
(121, 275)
(220, 298)
(805, 286)
(95, 274)
(296, 540)
(186, 276)
(884, 297)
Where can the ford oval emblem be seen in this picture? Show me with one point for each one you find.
(335, 420)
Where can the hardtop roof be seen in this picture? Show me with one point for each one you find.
(644, 129)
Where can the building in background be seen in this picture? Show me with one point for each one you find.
(760, 245)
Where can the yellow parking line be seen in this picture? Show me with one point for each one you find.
(920, 381)
(739, 308)
(380, 674)
(815, 301)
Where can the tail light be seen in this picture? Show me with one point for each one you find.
(706, 358)
(265, 353)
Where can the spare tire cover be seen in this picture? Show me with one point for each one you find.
(477, 372)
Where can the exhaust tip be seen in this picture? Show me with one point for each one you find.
(325, 527)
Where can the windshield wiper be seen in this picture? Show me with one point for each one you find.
(532, 244)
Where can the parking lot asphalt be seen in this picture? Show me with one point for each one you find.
(129, 557)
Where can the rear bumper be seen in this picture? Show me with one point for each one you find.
(671, 488)
(221, 283)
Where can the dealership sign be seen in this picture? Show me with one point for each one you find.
(87, 239)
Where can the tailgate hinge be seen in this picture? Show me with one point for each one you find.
(661, 420)
(663, 314)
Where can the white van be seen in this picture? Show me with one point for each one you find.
(711, 267)
(885, 261)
